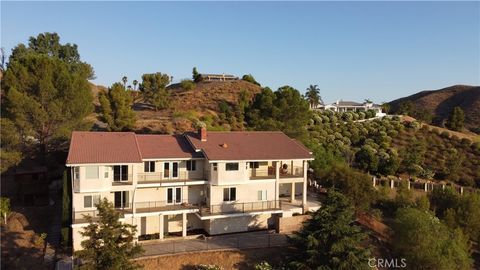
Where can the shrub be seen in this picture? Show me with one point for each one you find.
(445, 134)
(263, 266)
(466, 141)
(208, 267)
(249, 78)
(187, 84)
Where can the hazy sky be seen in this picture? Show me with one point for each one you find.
(352, 50)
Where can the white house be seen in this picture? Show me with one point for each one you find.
(220, 182)
(351, 106)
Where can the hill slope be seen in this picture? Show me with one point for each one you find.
(440, 103)
(187, 106)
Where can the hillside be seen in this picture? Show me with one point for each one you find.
(186, 107)
(440, 103)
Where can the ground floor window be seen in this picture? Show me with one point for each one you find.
(229, 194)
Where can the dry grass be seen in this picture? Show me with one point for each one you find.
(242, 259)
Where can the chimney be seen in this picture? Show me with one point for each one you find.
(202, 133)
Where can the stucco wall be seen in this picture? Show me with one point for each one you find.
(237, 224)
(247, 192)
(290, 224)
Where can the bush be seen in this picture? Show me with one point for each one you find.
(466, 141)
(187, 84)
(208, 267)
(445, 134)
(249, 78)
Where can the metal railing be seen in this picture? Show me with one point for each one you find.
(156, 206)
(80, 216)
(119, 178)
(230, 208)
(180, 175)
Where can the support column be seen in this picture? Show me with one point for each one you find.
(277, 180)
(292, 193)
(426, 187)
(443, 186)
(304, 192)
(392, 184)
(461, 190)
(374, 180)
(184, 224)
(160, 226)
(408, 184)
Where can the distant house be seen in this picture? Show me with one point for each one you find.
(217, 77)
(351, 106)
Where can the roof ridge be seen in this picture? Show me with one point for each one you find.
(138, 147)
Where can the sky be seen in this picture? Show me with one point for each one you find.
(351, 50)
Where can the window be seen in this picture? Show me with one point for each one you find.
(120, 173)
(231, 166)
(254, 165)
(90, 201)
(174, 195)
(214, 166)
(121, 199)
(170, 170)
(229, 194)
(91, 172)
(149, 166)
(105, 174)
(191, 165)
(262, 195)
(76, 172)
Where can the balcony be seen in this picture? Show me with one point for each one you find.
(234, 208)
(157, 177)
(159, 206)
(288, 172)
(80, 216)
(120, 180)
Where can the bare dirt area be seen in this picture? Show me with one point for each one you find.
(241, 259)
(21, 242)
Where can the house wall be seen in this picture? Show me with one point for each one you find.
(237, 224)
(247, 192)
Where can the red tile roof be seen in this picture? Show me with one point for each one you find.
(249, 145)
(128, 147)
(103, 147)
(165, 146)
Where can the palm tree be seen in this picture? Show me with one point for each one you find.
(313, 96)
(135, 82)
(124, 80)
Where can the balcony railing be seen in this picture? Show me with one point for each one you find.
(124, 179)
(291, 171)
(267, 173)
(232, 208)
(157, 206)
(80, 216)
(161, 176)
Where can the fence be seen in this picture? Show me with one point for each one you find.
(239, 241)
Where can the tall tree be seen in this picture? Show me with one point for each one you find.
(135, 82)
(195, 75)
(154, 90)
(11, 150)
(426, 243)
(124, 80)
(47, 93)
(109, 243)
(456, 119)
(116, 108)
(330, 239)
(313, 96)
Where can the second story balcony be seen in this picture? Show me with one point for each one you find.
(157, 177)
(270, 172)
(235, 208)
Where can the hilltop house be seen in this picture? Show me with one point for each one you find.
(220, 182)
(351, 106)
(217, 77)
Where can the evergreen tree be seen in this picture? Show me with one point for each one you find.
(456, 120)
(109, 243)
(250, 78)
(154, 90)
(124, 80)
(426, 243)
(47, 93)
(11, 153)
(330, 239)
(414, 155)
(116, 108)
(195, 75)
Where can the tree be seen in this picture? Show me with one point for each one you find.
(250, 78)
(11, 154)
(109, 243)
(453, 164)
(124, 80)
(187, 84)
(154, 90)
(456, 119)
(330, 239)
(47, 93)
(313, 96)
(356, 185)
(2, 60)
(135, 82)
(366, 158)
(195, 75)
(116, 108)
(4, 208)
(426, 243)
(414, 155)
